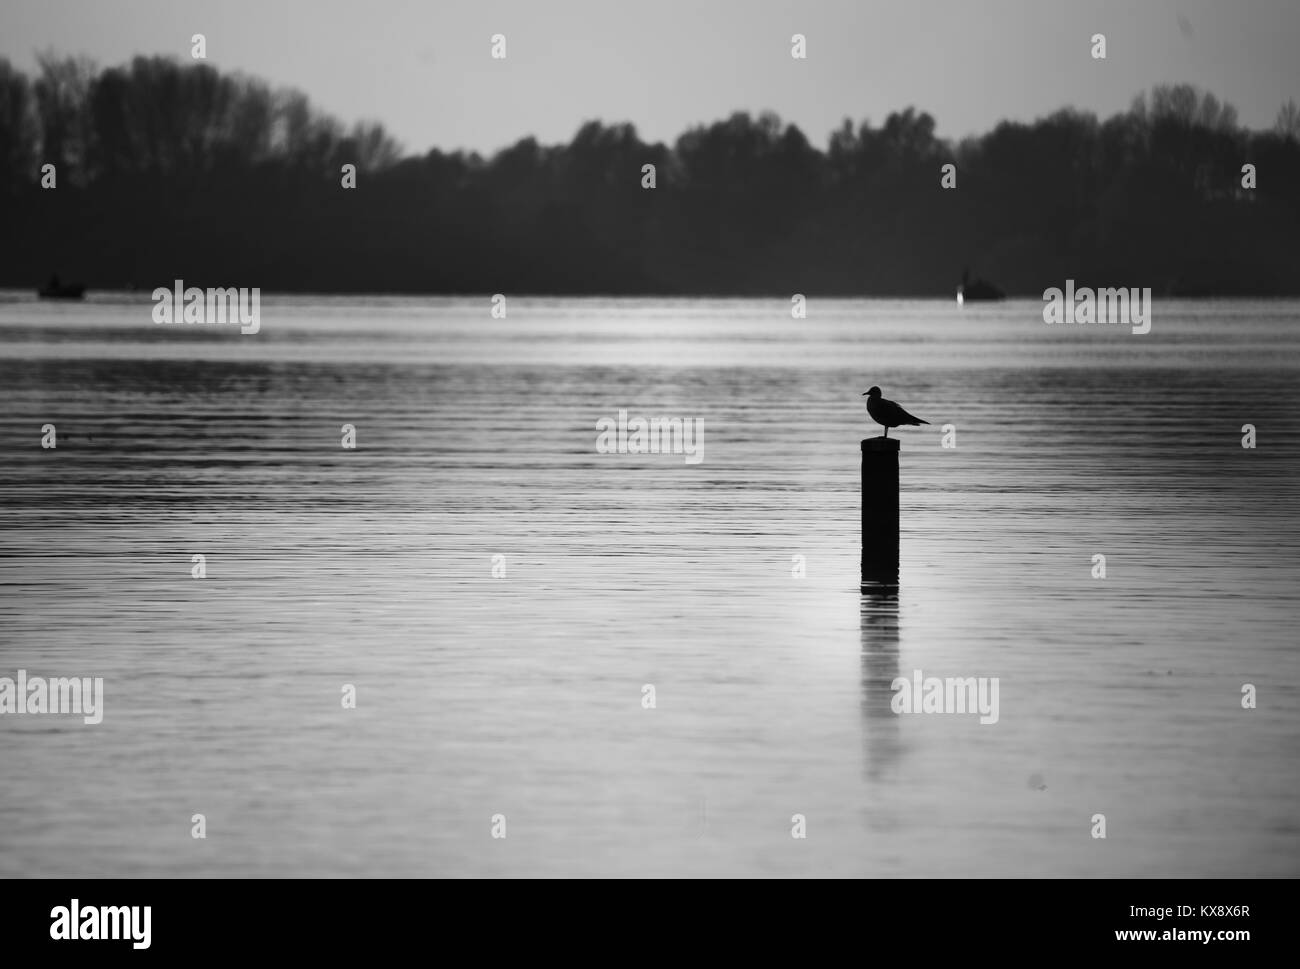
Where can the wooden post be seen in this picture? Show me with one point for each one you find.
(880, 511)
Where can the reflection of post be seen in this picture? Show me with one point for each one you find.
(879, 620)
(879, 510)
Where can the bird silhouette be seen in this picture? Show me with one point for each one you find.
(887, 413)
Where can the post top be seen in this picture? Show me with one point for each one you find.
(880, 444)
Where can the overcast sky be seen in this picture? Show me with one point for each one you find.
(423, 67)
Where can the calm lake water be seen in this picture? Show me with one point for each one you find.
(522, 695)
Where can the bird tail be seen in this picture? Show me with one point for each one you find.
(919, 421)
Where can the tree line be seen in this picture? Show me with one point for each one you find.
(166, 170)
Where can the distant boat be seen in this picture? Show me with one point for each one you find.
(976, 290)
(57, 290)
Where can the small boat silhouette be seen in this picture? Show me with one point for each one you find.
(57, 290)
(977, 289)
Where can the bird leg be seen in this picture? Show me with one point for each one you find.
(886, 431)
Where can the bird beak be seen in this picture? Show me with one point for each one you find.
(864, 395)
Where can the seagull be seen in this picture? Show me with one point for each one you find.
(886, 412)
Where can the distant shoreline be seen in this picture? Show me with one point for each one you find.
(15, 293)
(160, 170)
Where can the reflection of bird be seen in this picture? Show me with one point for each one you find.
(887, 413)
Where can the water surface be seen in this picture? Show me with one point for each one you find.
(522, 695)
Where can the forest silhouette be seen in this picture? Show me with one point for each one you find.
(176, 171)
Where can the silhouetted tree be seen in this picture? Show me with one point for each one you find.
(173, 170)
